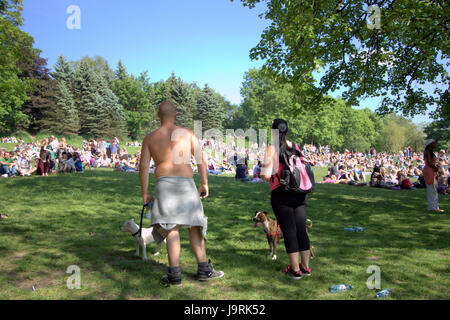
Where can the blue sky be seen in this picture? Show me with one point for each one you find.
(202, 41)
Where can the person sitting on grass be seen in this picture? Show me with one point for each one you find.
(86, 158)
(241, 172)
(212, 168)
(404, 181)
(67, 164)
(105, 162)
(378, 178)
(257, 170)
(331, 179)
(43, 163)
(8, 168)
(124, 166)
(392, 176)
(24, 164)
(443, 186)
(78, 163)
(358, 173)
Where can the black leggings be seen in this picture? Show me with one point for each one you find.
(290, 210)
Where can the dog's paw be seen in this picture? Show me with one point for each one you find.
(274, 257)
(144, 259)
(136, 254)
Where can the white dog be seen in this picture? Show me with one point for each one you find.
(147, 237)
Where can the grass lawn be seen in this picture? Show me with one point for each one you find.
(51, 220)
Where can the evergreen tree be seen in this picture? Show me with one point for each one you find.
(133, 95)
(115, 119)
(209, 111)
(63, 117)
(181, 95)
(63, 70)
(98, 108)
(121, 72)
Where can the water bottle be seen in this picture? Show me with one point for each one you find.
(384, 293)
(340, 287)
(149, 210)
(355, 229)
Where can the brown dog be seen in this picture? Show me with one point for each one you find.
(273, 231)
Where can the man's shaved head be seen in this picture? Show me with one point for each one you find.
(167, 110)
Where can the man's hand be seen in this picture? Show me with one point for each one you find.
(147, 198)
(203, 191)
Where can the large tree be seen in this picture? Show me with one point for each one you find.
(209, 110)
(63, 117)
(401, 58)
(439, 130)
(182, 95)
(16, 47)
(98, 108)
(41, 91)
(133, 95)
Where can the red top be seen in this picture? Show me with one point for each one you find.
(429, 174)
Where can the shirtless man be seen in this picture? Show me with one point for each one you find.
(177, 201)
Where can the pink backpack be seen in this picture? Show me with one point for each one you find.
(296, 177)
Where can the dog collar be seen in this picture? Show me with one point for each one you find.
(133, 234)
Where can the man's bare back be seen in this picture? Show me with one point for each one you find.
(171, 147)
(166, 146)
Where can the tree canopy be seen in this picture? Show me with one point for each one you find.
(397, 50)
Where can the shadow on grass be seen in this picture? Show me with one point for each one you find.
(51, 219)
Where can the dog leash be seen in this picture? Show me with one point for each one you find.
(140, 224)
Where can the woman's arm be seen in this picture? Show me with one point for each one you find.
(429, 160)
(267, 166)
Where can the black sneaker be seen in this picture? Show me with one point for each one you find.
(291, 273)
(206, 275)
(305, 271)
(173, 279)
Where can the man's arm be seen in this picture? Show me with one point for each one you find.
(143, 170)
(200, 159)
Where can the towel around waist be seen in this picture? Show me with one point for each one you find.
(177, 202)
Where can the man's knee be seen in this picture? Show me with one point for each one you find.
(173, 232)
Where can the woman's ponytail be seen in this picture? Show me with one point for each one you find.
(282, 127)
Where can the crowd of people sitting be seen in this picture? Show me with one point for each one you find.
(402, 170)
(390, 171)
(369, 168)
(52, 155)
(11, 140)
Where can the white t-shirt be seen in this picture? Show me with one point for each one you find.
(55, 145)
